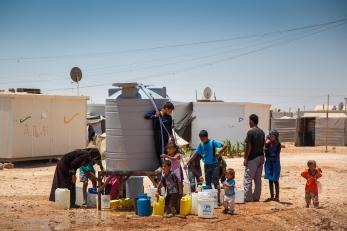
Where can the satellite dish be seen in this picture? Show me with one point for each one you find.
(76, 74)
(207, 93)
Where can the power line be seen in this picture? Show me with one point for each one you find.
(173, 72)
(172, 57)
(173, 45)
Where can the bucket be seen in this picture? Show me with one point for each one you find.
(62, 198)
(205, 208)
(92, 196)
(134, 186)
(239, 196)
(185, 205)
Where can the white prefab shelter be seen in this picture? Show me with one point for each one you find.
(35, 126)
(227, 120)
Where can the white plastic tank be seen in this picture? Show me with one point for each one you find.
(62, 198)
(129, 137)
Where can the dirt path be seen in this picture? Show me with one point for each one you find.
(24, 203)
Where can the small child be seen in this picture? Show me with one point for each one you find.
(229, 196)
(175, 157)
(311, 188)
(273, 164)
(173, 190)
(87, 172)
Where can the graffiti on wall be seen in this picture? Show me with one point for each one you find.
(67, 120)
(35, 131)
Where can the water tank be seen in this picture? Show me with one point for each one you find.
(129, 137)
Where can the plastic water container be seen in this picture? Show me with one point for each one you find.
(114, 204)
(195, 198)
(186, 187)
(222, 193)
(105, 201)
(152, 191)
(79, 196)
(205, 208)
(185, 205)
(143, 205)
(194, 209)
(239, 196)
(213, 194)
(159, 206)
(92, 196)
(134, 186)
(62, 198)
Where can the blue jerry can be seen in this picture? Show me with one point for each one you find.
(143, 205)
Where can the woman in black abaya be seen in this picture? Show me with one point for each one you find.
(65, 172)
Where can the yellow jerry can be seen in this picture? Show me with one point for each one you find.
(185, 205)
(158, 207)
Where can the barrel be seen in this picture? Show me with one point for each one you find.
(129, 137)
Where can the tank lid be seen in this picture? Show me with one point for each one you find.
(129, 90)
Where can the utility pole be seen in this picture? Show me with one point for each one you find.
(327, 126)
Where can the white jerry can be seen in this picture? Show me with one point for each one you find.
(62, 198)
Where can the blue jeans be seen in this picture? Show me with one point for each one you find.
(212, 175)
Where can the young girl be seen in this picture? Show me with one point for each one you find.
(311, 188)
(229, 187)
(175, 157)
(272, 164)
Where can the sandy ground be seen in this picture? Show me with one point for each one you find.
(24, 202)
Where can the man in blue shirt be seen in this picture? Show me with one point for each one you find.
(207, 150)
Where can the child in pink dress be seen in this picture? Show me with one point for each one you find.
(175, 157)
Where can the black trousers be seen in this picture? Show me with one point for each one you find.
(172, 203)
(159, 146)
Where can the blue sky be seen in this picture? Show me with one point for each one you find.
(41, 40)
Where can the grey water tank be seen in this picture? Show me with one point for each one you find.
(129, 137)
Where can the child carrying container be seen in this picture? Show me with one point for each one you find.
(273, 164)
(173, 190)
(229, 188)
(311, 188)
(175, 157)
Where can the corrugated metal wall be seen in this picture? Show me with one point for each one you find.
(286, 128)
(336, 131)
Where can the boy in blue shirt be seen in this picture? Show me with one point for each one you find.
(207, 150)
(229, 196)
